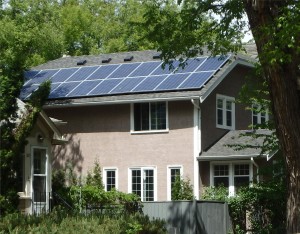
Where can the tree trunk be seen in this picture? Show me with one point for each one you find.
(284, 95)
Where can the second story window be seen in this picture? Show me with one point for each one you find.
(225, 112)
(259, 114)
(150, 116)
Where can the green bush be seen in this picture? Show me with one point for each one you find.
(61, 222)
(182, 189)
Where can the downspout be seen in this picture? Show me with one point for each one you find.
(197, 144)
(257, 168)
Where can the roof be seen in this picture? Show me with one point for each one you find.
(141, 78)
(237, 144)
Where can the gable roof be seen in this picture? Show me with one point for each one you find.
(238, 144)
(142, 78)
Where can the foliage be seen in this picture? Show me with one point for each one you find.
(95, 178)
(182, 189)
(261, 205)
(59, 221)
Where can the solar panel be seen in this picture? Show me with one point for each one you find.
(82, 73)
(105, 87)
(103, 71)
(63, 74)
(124, 70)
(84, 88)
(107, 79)
(63, 89)
(172, 81)
(127, 85)
(145, 69)
(149, 83)
(195, 80)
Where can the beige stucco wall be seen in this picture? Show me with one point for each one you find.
(103, 133)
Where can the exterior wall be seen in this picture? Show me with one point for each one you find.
(231, 87)
(25, 202)
(102, 133)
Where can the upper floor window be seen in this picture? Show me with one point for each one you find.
(259, 114)
(150, 116)
(225, 112)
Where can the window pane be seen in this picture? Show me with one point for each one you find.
(241, 181)
(39, 188)
(228, 118)
(141, 116)
(221, 170)
(110, 180)
(39, 161)
(241, 169)
(220, 117)
(158, 115)
(220, 103)
(221, 181)
(136, 182)
(148, 185)
(255, 120)
(228, 105)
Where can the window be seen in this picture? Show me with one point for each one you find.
(259, 114)
(173, 171)
(231, 175)
(143, 183)
(225, 112)
(150, 116)
(110, 179)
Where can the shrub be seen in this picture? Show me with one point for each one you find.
(182, 189)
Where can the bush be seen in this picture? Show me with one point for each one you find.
(182, 189)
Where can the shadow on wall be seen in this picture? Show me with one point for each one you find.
(68, 155)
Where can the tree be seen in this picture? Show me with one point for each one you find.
(193, 25)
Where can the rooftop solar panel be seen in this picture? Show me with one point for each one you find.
(127, 85)
(105, 87)
(63, 74)
(172, 81)
(124, 70)
(196, 80)
(62, 90)
(82, 73)
(103, 72)
(145, 69)
(107, 79)
(84, 88)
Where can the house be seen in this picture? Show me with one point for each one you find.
(35, 196)
(144, 124)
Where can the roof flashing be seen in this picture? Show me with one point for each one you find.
(81, 62)
(128, 58)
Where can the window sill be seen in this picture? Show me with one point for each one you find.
(225, 127)
(149, 132)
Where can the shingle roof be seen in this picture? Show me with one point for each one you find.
(230, 144)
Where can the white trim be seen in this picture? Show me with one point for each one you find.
(132, 131)
(105, 169)
(258, 114)
(197, 149)
(222, 77)
(46, 175)
(230, 164)
(169, 167)
(224, 118)
(142, 169)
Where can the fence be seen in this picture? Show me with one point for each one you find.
(190, 217)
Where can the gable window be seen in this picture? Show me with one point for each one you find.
(143, 183)
(225, 112)
(150, 116)
(232, 175)
(173, 172)
(110, 179)
(259, 114)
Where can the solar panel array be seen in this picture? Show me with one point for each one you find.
(109, 79)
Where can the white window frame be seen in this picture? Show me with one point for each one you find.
(259, 114)
(105, 170)
(142, 189)
(169, 189)
(132, 131)
(231, 187)
(224, 117)
(40, 206)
